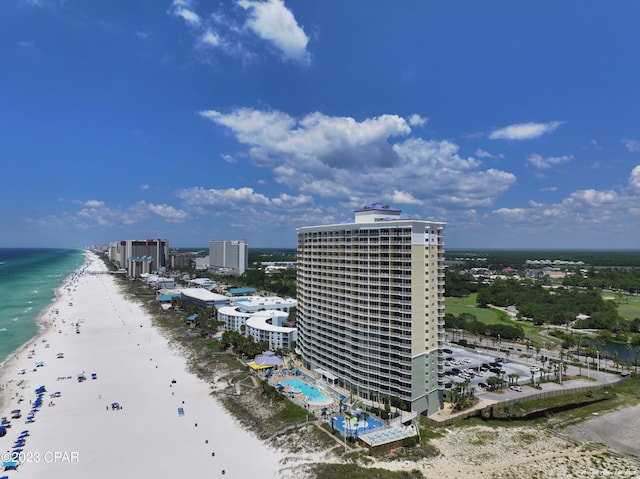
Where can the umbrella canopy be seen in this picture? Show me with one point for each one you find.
(269, 358)
(10, 465)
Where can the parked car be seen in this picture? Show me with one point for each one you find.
(483, 385)
(447, 351)
(516, 388)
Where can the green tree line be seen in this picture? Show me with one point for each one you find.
(554, 306)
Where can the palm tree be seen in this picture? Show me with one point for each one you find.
(347, 424)
(615, 358)
(357, 418)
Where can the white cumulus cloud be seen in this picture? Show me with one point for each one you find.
(210, 39)
(631, 145)
(184, 10)
(634, 179)
(417, 120)
(273, 22)
(524, 131)
(350, 160)
(545, 163)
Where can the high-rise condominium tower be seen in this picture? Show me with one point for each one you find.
(371, 306)
(229, 255)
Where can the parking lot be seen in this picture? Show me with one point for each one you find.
(478, 365)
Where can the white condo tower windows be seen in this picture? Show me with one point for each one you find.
(371, 306)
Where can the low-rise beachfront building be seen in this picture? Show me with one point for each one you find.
(267, 327)
(263, 318)
(159, 282)
(205, 283)
(257, 303)
(202, 298)
(242, 291)
(233, 318)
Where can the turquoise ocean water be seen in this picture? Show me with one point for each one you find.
(28, 280)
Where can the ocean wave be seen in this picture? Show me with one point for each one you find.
(3, 329)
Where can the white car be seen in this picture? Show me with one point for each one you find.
(516, 388)
(535, 369)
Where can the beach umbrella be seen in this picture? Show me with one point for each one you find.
(10, 465)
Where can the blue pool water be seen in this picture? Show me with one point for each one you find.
(342, 425)
(313, 395)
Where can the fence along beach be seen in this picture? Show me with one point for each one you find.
(118, 401)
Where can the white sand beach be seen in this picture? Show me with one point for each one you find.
(79, 435)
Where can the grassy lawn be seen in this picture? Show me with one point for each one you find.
(628, 307)
(468, 305)
(493, 316)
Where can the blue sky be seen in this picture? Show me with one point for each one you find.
(516, 123)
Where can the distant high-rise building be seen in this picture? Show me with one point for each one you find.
(181, 260)
(140, 256)
(229, 256)
(371, 306)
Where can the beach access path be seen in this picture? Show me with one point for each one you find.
(167, 423)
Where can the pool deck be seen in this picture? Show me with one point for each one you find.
(300, 398)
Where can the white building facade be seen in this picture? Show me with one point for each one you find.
(371, 306)
(264, 326)
(230, 256)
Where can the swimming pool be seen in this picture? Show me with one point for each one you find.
(313, 396)
(350, 426)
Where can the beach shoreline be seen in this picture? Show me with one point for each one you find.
(166, 422)
(7, 366)
(146, 415)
